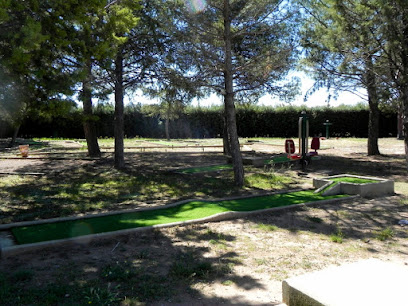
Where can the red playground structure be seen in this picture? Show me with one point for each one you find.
(304, 155)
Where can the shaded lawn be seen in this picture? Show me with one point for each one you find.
(205, 169)
(189, 211)
(96, 186)
(81, 190)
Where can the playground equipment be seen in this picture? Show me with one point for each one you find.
(304, 156)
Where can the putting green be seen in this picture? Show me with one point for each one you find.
(346, 179)
(353, 180)
(188, 211)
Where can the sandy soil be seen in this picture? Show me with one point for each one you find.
(258, 257)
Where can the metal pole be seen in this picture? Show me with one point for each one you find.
(303, 134)
(327, 124)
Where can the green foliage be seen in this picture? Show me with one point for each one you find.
(267, 227)
(268, 181)
(385, 234)
(208, 122)
(337, 237)
(44, 47)
(260, 42)
(101, 296)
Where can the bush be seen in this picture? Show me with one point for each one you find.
(198, 122)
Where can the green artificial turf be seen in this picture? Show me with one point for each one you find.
(189, 211)
(347, 179)
(205, 169)
(353, 180)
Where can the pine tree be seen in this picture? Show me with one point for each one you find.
(342, 54)
(37, 83)
(394, 43)
(233, 46)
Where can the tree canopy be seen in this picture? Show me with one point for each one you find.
(232, 47)
(53, 52)
(360, 43)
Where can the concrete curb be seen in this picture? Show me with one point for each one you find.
(366, 282)
(18, 249)
(117, 212)
(381, 187)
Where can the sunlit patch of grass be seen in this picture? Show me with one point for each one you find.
(343, 214)
(306, 264)
(267, 181)
(261, 261)
(404, 201)
(266, 227)
(353, 248)
(219, 244)
(213, 235)
(228, 282)
(338, 236)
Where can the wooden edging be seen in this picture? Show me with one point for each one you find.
(18, 249)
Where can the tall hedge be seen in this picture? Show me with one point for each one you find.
(208, 123)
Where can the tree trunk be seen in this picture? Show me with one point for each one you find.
(404, 99)
(15, 134)
(167, 122)
(225, 137)
(374, 113)
(119, 113)
(400, 123)
(89, 121)
(229, 100)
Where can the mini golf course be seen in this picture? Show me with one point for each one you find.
(32, 233)
(352, 184)
(345, 179)
(188, 211)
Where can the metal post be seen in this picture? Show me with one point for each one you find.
(327, 124)
(303, 134)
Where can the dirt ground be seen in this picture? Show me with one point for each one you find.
(258, 251)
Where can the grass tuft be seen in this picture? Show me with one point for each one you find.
(101, 296)
(337, 237)
(119, 271)
(385, 234)
(267, 181)
(188, 267)
(267, 227)
(228, 282)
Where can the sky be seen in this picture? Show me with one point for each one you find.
(319, 98)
